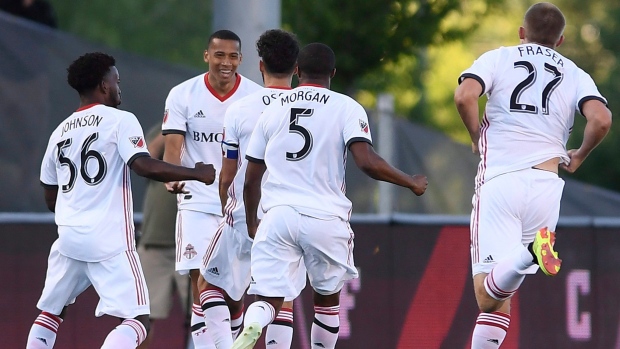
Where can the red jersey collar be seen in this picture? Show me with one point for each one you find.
(313, 85)
(215, 94)
(279, 87)
(87, 106)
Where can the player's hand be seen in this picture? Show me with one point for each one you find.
(418, 187)
(176, 188)
(474, 148)
(207, 173)
(252, 231)
(575, 160)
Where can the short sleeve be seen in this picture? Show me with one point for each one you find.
(258, 142)
(175, 116)
(230, 143)
(587, 90)
(356, 127)
(131, 143)
(49, 177)
(482, 70)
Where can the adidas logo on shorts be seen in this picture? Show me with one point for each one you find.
(200, 114)
(489, 259)
(272, 342)
(213, 271)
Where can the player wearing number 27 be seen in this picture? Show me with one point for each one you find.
(533, 92)
(85, 173)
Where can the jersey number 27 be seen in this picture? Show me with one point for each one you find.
(515, 106)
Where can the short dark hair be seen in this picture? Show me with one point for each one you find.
(87, 72)
(544, 24)
(279, 50)
(224, 34)
(316, 60)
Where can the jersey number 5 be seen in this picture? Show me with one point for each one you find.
(85, 156)
(294, 127)
(517, 107)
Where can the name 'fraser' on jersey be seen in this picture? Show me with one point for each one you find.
(88, 158)
(303, 140)
(533, 92)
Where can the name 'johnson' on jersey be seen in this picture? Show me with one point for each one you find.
(88, 158)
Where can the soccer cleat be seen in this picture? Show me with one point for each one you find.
(546, 257)
(248, 337)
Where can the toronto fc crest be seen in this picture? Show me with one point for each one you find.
(190, 251)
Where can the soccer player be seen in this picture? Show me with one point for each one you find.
(227, 262)
(533, 92)
(303, 141)
(193, 123)
(85, 175)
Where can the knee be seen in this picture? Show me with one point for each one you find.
(326, 300)
(486, 303)
(145, 321)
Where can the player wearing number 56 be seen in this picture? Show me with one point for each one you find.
(533, 92)
(85, 175)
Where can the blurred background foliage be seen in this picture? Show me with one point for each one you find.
(412, 49)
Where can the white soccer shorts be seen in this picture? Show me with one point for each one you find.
(507, 212)
(285, 239)
(194, 232)
(227, 263)
(119, 282)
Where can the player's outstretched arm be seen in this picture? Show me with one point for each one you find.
(161, 171)
(172, 154)
(466, 100)
(251, 194)
(377, 168)
(598, 124)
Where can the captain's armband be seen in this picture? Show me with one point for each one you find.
(230, 151)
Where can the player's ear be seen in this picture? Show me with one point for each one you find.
(205, 56)
(261, 66)
(521, 34)
(331, 76)
(560, 41)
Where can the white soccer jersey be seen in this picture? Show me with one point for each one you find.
(533, 92)
(88, 158)
(239, 122)
(303, 140)
(195, 110)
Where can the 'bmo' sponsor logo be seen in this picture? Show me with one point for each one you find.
(208, 137)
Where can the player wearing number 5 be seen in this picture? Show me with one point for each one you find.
(303, 141)
(85, 173)
(533, 92)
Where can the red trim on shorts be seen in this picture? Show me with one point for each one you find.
(213, 243)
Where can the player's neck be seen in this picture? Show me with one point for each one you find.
(321, 82)
(90, 100)
(222, 88)
(270, 81)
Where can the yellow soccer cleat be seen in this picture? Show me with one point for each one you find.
(248, 337)
(545, 255)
